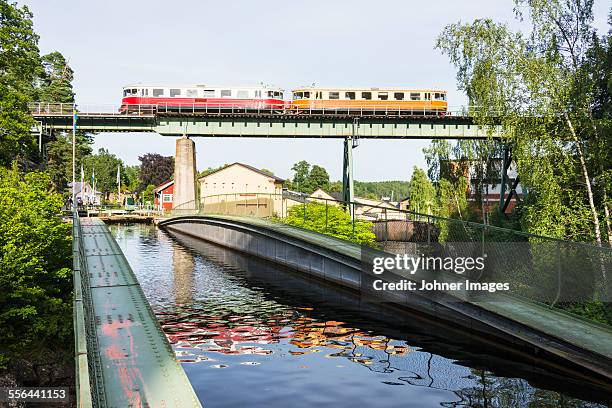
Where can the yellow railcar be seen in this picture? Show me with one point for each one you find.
(416, 101)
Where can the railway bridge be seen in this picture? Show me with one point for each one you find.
(350, 125)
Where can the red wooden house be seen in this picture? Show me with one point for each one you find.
(163, 196)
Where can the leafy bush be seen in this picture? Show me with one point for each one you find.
(35, 265)
(330, 220)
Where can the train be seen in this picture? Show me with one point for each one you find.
(191, 98)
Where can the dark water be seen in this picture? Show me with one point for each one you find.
(252, 334)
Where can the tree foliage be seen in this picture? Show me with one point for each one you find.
(422, 193)
(155, 169)
(536, 87)
(19, 63)
(35, 263)
(307, 178)
(330, 220)
(105, 165)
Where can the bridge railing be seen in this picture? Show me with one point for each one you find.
(84, 365)
(543, 269)
(204, 109)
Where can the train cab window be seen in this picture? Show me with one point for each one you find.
(191, 93)
(366, 95)
(278, 95)
(439, 96)
(298, 95)
(158, 92)
(383, 96)
(349, 95)
(242, 94)
(209, 93)
(415, 96)
(226, 93)
(175, 92)
(306, 95)
(334, 95)
(399, 96)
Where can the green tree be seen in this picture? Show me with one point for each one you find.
(105, 165)
(330, 220)
(19, 63)
(132, 174)
(35, 262)
(55, 80)
(318, 178)
(148, 195)
(533, 86)
(422, 193)
(300, 177)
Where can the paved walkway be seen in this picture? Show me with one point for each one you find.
(131, 355)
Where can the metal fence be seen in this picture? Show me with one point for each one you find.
(87, 380)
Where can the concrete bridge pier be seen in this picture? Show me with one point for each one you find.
(185, 191)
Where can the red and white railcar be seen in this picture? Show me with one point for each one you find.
(144, 98)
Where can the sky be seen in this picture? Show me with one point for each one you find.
(287, 43)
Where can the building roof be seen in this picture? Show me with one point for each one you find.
(255, 169)
(82, 186)
(163, 186)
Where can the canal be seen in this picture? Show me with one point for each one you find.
(252, 334)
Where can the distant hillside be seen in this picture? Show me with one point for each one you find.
(377, 189)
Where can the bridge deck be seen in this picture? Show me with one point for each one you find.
(573, 332)
(134, 364)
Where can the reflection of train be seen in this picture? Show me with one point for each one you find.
(150, 98)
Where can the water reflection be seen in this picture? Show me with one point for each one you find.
(246, 325)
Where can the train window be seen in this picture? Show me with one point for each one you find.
(439, 96)
(306, 95)
(209, 93)
(334, 95)
(226, 93)
(366, 95)
(349, 95)
(415, 96)
(145, 92)
(399, 96)
(257, 95)
(278, 95)
(298, 95)
(318, 95)
(191, 93)
(158, 92)
(383, 96)
(175, 92)
(428, 96)
(243, 94)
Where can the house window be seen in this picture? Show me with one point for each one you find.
(175, 92)
(158, 92)
(167, 198)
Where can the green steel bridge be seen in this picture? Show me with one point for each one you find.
(238, 122)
